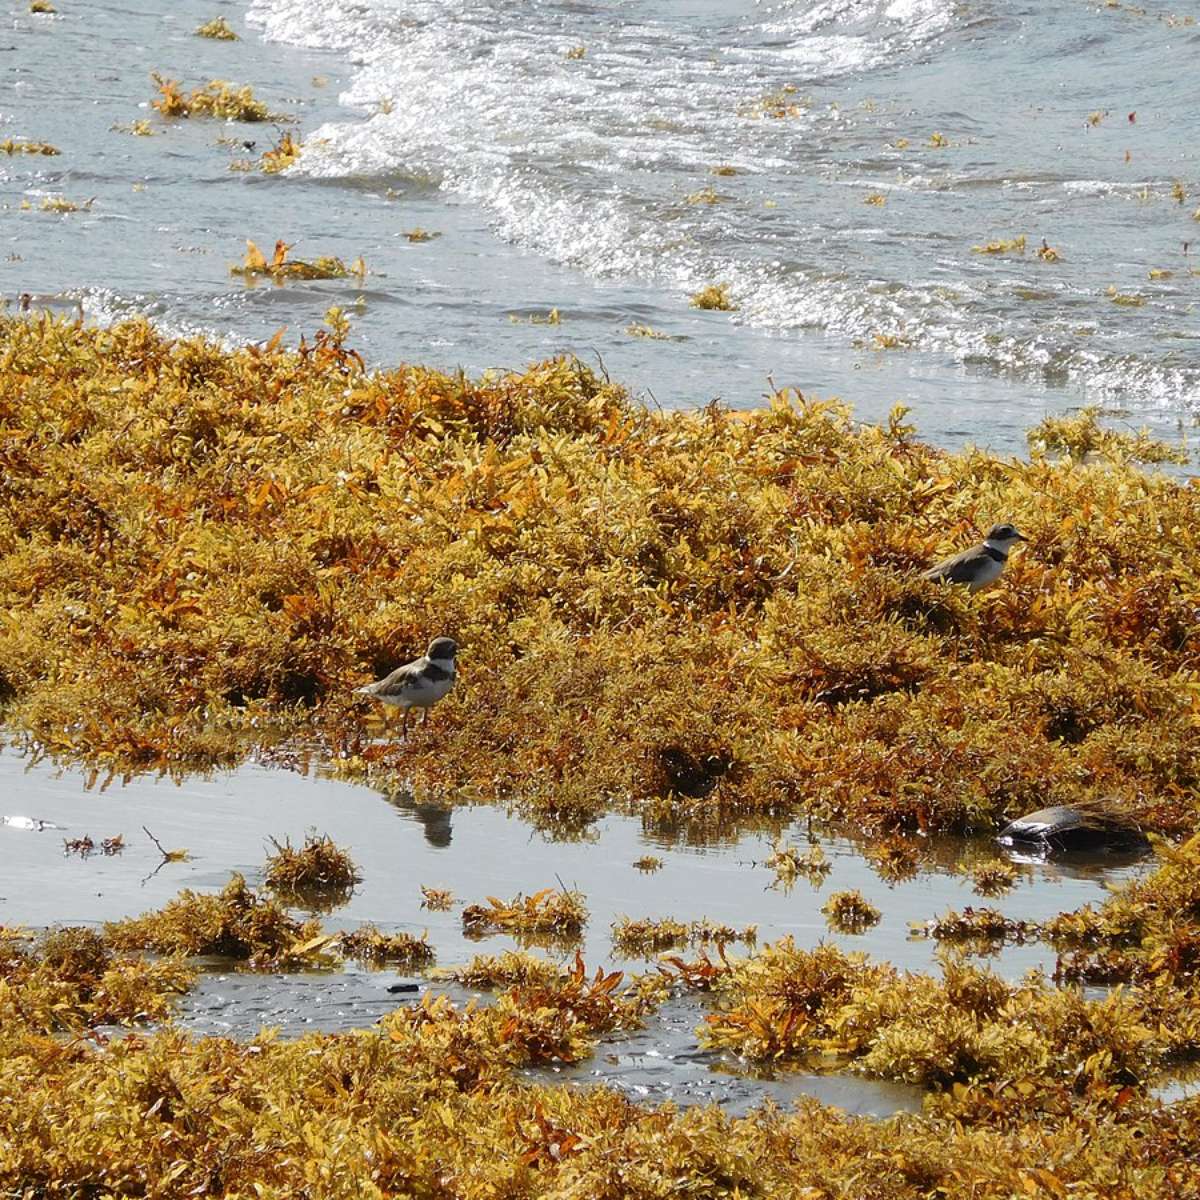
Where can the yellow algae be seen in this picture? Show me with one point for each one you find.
(218, 29)
(282, 155)
(436, 899)
(280, 267)
(319, 863)
(715, 297)
(1002, 246)
(562, 913)
(850, 912)
(21, 146)
(219, 99)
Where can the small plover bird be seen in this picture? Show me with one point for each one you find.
(418, 684)
(980, 565)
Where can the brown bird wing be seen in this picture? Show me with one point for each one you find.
(960, 568)
(401, 680)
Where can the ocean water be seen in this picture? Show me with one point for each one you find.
(564, 152)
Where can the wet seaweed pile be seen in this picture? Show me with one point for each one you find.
(717, 614)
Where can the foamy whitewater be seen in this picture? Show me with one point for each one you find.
(836, 165)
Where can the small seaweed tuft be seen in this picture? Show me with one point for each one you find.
(318, 865)
(218, 29)
(850, 912)
(436, 899)
(714, 297)
(367, 944)
(550, 911)
(993, 878)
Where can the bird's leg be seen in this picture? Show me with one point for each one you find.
(425, 718)
(404, 723)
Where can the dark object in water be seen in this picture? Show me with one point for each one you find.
(1063, 828)
(405, 989)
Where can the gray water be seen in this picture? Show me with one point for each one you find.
(225, 822)
(563, 182)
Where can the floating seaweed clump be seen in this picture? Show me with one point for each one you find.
(218, 29)
(436, 899)
(994, 877)
(216, 99)
(648, 863)
(319, 864)
(1002, 246)
(789, 863)
(850, 912)
(894, 858)
(21, 146)
(1082, 438)
(981, 925)
(513, 968)
(646, 936)
(282, 155)
(550, 911)
(255, 265)
(715, 297)
(370, 945)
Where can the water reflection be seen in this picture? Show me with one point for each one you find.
(435, 819)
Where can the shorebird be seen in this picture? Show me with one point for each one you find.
(980, 565)
(418, 684)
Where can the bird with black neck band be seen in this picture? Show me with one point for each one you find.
(980, 565)
(418, 684)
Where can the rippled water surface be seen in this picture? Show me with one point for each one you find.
(565, 152)
(226, 822)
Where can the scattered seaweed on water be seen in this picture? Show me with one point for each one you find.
(282, 155)
(550, 911)
(418, 234)
(850, 912)
(714, 297)
(218, 29)
(224, 101)
(645, 936)
(281, 268)
(60, 204)
(789, 863)
(648, 863)
(367, 944)
(320, 864)
(706, 195)
(993, 878)
(1002, 246)
(436, 899)
(876, 198)
(86, 846)
(12, 146)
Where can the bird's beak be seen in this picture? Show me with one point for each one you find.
(1022, 538)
